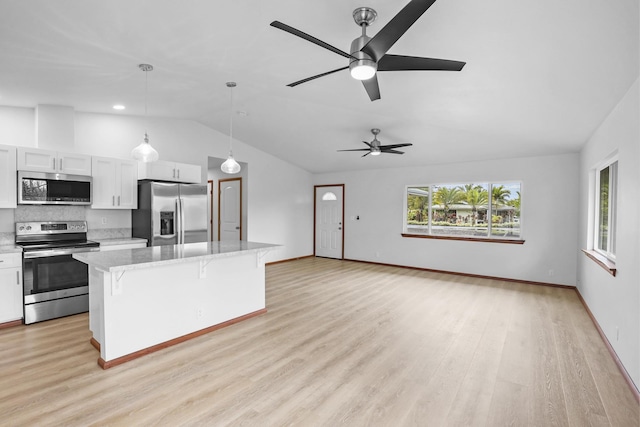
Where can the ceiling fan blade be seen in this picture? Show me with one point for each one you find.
(317, 76)
(366, 154)
(407, 63)
(369, 145)
(295, 32)
(372, 88)
(393, 151)
(392, 146)
(357, 149)
(390, 33)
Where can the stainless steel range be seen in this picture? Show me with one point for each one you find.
(55, 284)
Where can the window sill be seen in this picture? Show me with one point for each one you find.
(608, 265)
(468, 239)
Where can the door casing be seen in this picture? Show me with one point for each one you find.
(315, 208)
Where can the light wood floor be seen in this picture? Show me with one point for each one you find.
(343, 343)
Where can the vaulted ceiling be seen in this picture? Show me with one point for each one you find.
(540, 75)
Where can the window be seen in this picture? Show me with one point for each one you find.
(605, 210)
(473, 210)
(328, 196)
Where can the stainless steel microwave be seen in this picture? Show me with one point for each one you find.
(38, 188)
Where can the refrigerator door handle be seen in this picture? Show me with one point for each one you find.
(182, 220)
(178, 225)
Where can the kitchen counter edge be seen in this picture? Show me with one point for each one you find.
(113, 241)
(10, 249)
(148, 257)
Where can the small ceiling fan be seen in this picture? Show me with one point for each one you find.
(375, 149)
(369, 55)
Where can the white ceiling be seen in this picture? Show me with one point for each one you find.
(540, 75)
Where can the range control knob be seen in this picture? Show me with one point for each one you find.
(28, 227)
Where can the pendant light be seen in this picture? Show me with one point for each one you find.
(145, 152)
(230, 165)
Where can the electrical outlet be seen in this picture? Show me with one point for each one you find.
(551, 272)
(104, 220)
(199, 313)
(617, 334)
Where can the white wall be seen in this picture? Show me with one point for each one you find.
(215, 174)
(615, 301)
(280, 195)
(18, 126)
(549, 216)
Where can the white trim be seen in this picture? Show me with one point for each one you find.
(608, 162)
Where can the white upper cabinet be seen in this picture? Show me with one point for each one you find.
(35, 159)
(170, 171)
(7, 177)
(115, 183)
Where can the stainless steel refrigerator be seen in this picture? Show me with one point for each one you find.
(170, 214)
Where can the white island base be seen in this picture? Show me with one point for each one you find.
(143, 300)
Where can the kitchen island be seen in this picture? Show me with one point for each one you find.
(145, 299)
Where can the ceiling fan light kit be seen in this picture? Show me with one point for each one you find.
(362, 66)
(368, 55)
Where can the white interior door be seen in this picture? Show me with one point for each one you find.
(230, 209)
(329, 218)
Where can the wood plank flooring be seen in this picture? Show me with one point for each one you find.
(343, 343)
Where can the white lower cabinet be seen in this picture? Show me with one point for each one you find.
(10, 287)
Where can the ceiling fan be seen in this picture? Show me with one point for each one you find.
(375, 149)
(369, 54)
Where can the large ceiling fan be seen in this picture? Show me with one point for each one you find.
(375, 149)
(369, 54)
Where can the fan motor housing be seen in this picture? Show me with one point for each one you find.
(360, 58)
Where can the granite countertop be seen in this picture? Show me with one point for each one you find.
(139, 258)
(10, 249)
(119, 241)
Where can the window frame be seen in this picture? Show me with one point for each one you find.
(612, 210)
(490, 237)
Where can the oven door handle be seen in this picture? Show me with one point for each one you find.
(57, 252)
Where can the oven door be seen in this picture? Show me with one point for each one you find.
(53, 274)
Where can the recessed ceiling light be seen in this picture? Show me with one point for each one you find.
(118, 107)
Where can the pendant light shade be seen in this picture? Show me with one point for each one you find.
(230, 165)
(145, 152)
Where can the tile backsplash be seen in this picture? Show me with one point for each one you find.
(102, 224)
(24, 213)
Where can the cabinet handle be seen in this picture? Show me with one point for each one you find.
(118, 200)
(54, 163)
(17, 277)
(113, 200)
(174, 172)
(178, 173)
(60, 164)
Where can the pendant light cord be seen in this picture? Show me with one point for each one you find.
(146, 93)
(231, 120)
